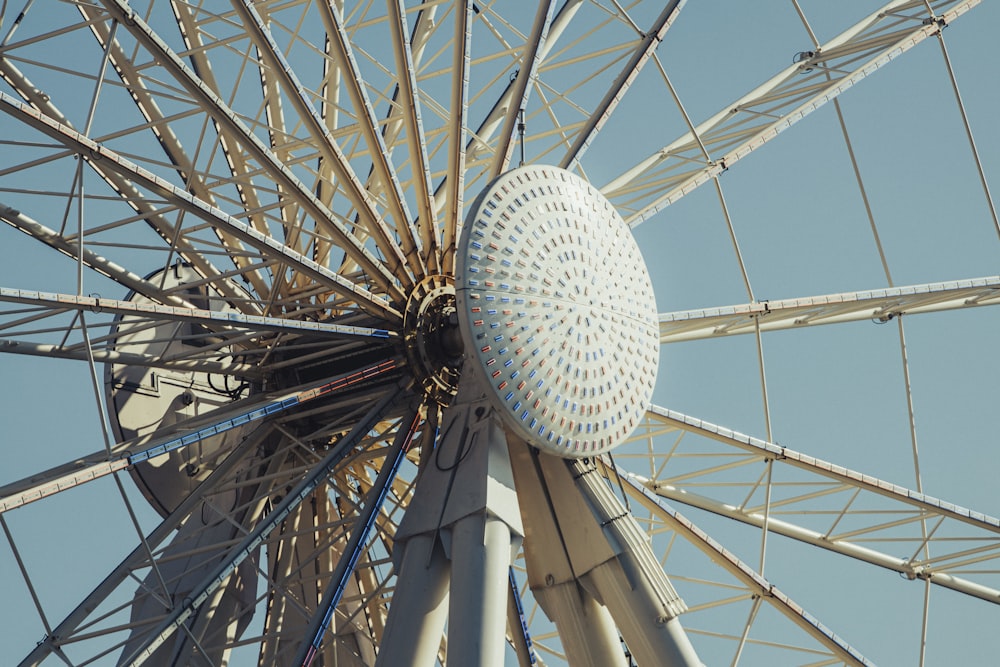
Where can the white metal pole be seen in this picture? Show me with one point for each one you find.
(477, 619)
(462, 524)
(636, 606)
(419, 610)
(587, 631)
(564, 542)
(633, 585)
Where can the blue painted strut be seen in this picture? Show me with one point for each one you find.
(520, 615)
(359, 537)
(274, 407)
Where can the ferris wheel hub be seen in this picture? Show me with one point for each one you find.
(557, 311)
(431, 337)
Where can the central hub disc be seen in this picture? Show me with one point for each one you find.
(557, 311)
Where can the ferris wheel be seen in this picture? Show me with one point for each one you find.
(468, 333)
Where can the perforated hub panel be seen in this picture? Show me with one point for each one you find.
(557, 311)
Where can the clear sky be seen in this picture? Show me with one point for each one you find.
(835, 392)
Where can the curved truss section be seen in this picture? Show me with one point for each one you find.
(876, 305)
(817, 77)
(820, 503)
(751, 645)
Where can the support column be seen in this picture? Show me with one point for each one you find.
(652, 637)
(589, 562)
(461, 530)
(633, 586)
(587, 630)
(479, 587)
(419, 610)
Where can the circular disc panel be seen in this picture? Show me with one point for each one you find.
(143, 400)
(557, 311)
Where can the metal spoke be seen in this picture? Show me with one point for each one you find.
(359, 535)
(223, 115)
(651, 39)
(387, 178)
(201, 209)
(522, 85)
(455, 183)
(758, 117)
(332, 152)
(750, 578)
(879, 306)
(244, 549)
(412, 117)
(833, 482)
(136, 558)
(128, 454)
(119, 183)
(216, 319)
(146, 102)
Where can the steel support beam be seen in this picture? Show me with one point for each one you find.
(599, 116)
(455, 182)
(128, 454)
(323, 140)
(591, 567)
(464, 525)
(879, 306)
(410, 110)
(743, 572)
(922, 506)
(213, 318)
(229, 120)
(201, 593)
(270, 246)
(50, 351)
(344, 570)
(526, 75)
(758, 117)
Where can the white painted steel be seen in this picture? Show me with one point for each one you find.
(226, 117)
(207, 581)
(750, 577)
(586, 626)
(157, 312)
(464, 516)
(197, 207)
(759, 116)
(964, 563)
(414, 630)
(477, 612)
(879, 306)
